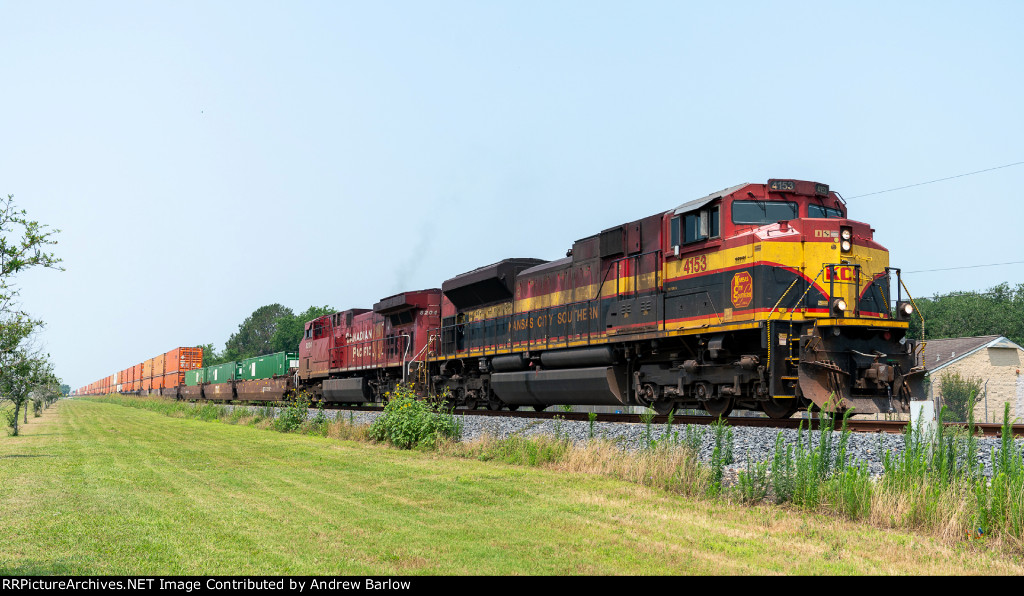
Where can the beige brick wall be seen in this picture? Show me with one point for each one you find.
(1001, 368)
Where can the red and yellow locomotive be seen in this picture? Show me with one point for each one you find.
(761, 297)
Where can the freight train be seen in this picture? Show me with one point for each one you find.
(762, 297)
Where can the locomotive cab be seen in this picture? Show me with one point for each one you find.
(817, 284)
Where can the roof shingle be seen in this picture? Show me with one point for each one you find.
(940, 352)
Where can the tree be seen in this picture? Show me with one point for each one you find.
(253, 337)
(209, 355)
(24, 372)
(23, 244)
(289, 330)
(996, 311)
(959, 394)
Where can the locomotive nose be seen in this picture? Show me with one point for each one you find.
(837, 374)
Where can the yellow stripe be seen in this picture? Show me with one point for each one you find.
(866, 323)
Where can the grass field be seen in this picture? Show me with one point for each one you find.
(94, 488)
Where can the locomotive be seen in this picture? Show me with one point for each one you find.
(761, 297)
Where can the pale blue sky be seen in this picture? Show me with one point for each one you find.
(206, 158)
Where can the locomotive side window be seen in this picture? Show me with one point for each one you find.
(695, 226)
(762, 212)
(691, 228)
(820, 211)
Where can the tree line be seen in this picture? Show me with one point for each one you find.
(269, 329)
(996, 311)
(26, 373)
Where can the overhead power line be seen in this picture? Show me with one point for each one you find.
(965, 267)
(938, 180)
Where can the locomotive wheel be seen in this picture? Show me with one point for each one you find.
(513, 407)
(719, 408)
(494, 404)
(539, 408)
(779, 408)
(662, 408)
(471, 404)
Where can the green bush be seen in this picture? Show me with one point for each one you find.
(959, 394)
(317, 425)
(293, 416)
(721, 456)
(409, 421)
(11, 419)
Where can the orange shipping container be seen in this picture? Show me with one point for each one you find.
(158, 366)
(147, 369)
(182, 359)
(173, 379)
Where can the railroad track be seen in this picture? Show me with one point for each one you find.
(855, 425)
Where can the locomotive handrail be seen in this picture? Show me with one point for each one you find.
(782, 297)
(917, 310)
(408, 340)
(636, 258)
(832, 282)
(809, 286)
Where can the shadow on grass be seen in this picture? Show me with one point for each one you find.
(18, 455)
(41, 568)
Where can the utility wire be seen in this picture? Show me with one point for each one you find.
(965, 267)
(938, 180)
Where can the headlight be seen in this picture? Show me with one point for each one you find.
(846, 238)
(904, 310)
(839, 305)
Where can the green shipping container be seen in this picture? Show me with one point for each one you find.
(268, 366)
(221, 373)
(195, 377)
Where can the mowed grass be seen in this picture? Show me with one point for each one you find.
(94, 488)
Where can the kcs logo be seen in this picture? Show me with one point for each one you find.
(742, 289)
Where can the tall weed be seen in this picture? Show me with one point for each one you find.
(409, 421)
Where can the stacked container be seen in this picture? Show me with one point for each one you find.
(179, 361)
(165, 371)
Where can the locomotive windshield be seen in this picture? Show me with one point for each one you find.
(762, 212)
(821, 211)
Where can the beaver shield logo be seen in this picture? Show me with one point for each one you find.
(742, 289)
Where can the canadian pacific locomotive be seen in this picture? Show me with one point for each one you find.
(761, 297)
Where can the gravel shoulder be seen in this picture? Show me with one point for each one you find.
(749, 444)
